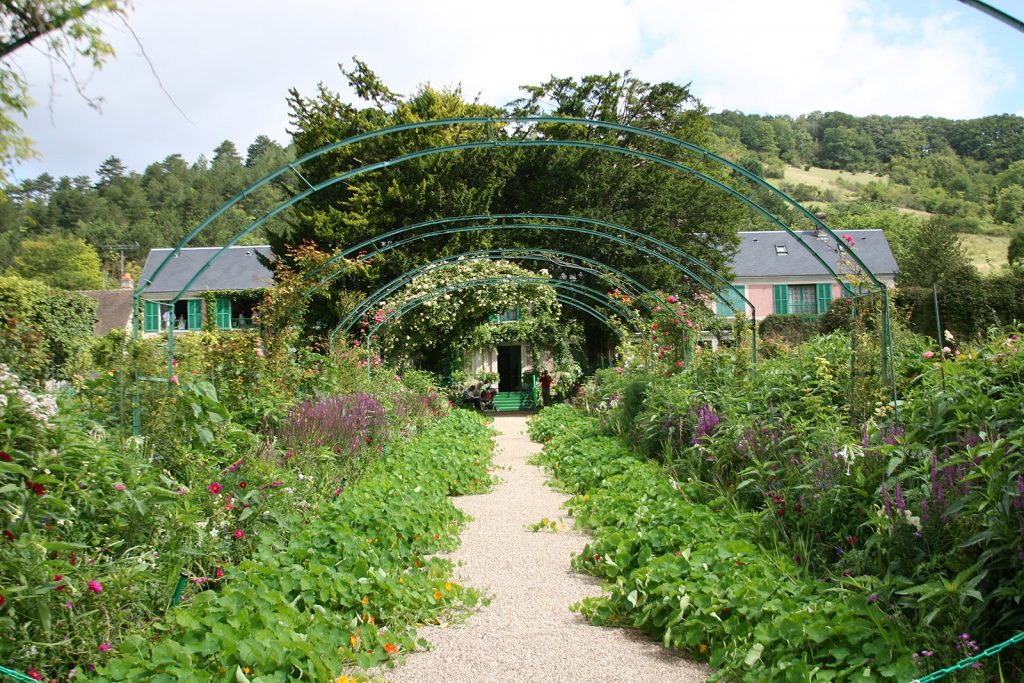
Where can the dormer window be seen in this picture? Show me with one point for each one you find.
(781, 250)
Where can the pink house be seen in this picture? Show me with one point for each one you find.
(779, 276)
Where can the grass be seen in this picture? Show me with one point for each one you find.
(986, 252)
(839, 182)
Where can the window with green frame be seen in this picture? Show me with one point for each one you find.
(802, 299)
(505, 316)
(738, 304)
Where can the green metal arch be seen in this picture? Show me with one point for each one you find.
(546, 217)
(568, 228)
(496, 144)
(466, 284)
(505, 121)
(546, 255)
(490, 121)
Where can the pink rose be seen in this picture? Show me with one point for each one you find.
(96, 586)
(928, 354)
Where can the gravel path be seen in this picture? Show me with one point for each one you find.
(527, 633)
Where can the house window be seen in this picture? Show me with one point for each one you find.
(803, 300)
(505, 316)
(738, 304)
(234, 314)
(781, 250)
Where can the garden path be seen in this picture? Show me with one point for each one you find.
(527, 633)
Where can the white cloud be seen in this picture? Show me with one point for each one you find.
(229, 64)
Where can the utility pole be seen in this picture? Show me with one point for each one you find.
(121, 248)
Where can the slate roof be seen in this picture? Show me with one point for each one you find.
(113, 309)
(238, 268)
(757, 255)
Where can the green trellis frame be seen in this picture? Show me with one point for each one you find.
(490, 123)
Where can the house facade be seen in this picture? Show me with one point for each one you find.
(235, 279)
(775, 271)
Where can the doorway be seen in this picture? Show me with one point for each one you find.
(510, 367)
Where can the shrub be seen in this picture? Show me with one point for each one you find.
(46, 331)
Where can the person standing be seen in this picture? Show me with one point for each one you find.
(545, 387)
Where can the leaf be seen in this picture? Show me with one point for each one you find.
(754, 655)
(240, 676)
(632, 598)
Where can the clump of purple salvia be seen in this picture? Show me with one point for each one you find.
(707, 424)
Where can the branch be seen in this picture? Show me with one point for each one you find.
(36, 26)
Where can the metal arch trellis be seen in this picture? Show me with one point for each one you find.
(576, 288)
(547, 255)
(730, 303)
(507, 121)
(521, 143)
(383, 237)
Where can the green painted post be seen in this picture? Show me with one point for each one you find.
(179, 589)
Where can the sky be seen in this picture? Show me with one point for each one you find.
(191, 73)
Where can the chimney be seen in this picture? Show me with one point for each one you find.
(821, 216)
(127, 282)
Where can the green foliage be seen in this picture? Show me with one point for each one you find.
(916, 523)
(45, 331)
(341, 593)
(694, 578)
(65, 262)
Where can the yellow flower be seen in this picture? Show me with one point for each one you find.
(447, 586)
(366, 600)
(438, 595)
(246, 670)
(401, 580)
(354, 639)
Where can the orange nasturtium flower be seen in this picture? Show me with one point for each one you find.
(366, 600)
(437, 595)
(390, 649)
(354, 639)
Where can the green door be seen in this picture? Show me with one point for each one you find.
(510, 368)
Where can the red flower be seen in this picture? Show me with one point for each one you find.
(8, 535)
(390, 649)
(214, 488)
(2, 600)
(38, 489)
(366, 439)
(35, 675)
(242, 484)
(57, 579)
(4, 456)
(239, 534)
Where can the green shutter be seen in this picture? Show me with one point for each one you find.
(781, 299)
(824, 296)
(223, 313)
(736, 299)
(194, 321)
(151, 318)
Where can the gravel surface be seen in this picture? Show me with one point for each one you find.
(527, 633)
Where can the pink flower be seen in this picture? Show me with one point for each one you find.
(618, 370)
(679, 363)
(104, 647)
(946, 349)
(214, 488)
(239, 534)
(928, 354)
(355, 343)
(95, 586)
(174, 379)
(32, 673)
(219, 573)
(120, 487)
(174, 363)
(672, 299)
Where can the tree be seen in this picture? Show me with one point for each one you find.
(65, 262)
(73, 29)
(1009, 204)
(1015, 252)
